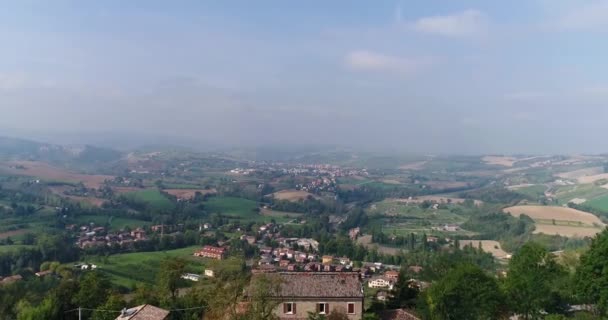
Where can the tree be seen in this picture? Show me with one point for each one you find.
(592, 274)
(465, 293)
(262, 293)
(48, 309)
(114, 302)
(531, 282)
(94, 290)
(169, 276)
(337, 314)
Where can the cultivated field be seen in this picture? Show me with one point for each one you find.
(234, 207)
(279, 214)
(366, 241)
(567, 231)
(187, 194)
(152, 197)
(600, 203)
(561, 221)
(557, 213)
(438, 199)
(587, 175)
(498, 160)
(593, 178)
(292, 195)
(391, 181)
(489, 246)
(418, 165)
(45, 171)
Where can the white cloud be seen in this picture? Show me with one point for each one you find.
(591, 16)
(12, 81)
(363, 60)
(526, 96)
(467, 23)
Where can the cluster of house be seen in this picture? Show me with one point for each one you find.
(90, 237)
(447, 227)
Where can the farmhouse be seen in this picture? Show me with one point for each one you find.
(209, 273)
(319, 293)
(212, 252)
(143, 312)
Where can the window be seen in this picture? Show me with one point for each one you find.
(322, 308)
(289, 308)
(350, 307)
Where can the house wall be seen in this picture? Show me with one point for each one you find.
(305, 306)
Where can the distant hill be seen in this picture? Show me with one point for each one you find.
(21, 149)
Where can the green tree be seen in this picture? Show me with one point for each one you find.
(531, 284)
(47, 309)
(169, 276)
(114, 302)
(93, 291)
(592, 275)
(465, 293)
(263, 292)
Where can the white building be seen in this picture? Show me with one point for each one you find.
(191, 277)
(380, 283)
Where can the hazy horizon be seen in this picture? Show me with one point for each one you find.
(427, 77)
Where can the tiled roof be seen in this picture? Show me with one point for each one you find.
(321, 284)
(144, 312)
(397, 314)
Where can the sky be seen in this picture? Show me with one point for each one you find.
(519, 76)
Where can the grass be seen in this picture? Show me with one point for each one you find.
(231, 206)
(153, 197)
(532, 191)
(581, 191)
(402, 219)
(116, 223)
(14, 247)
(181, 186)
(127, 269)
(600, 203)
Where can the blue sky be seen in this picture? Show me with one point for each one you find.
(418, 76)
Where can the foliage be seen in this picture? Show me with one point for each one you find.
(531, 284)
(169, 276)
(465, 293)
(592, 274)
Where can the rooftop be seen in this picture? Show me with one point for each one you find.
(144, 312)
(321, 284)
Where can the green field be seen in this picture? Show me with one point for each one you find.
(127, 269)
(181, 186)
(582, 191)
(14, 247)
(600, 203)
(532, 191)
(115, 223)
(401, 219)
(231, 206)
(153, 197)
